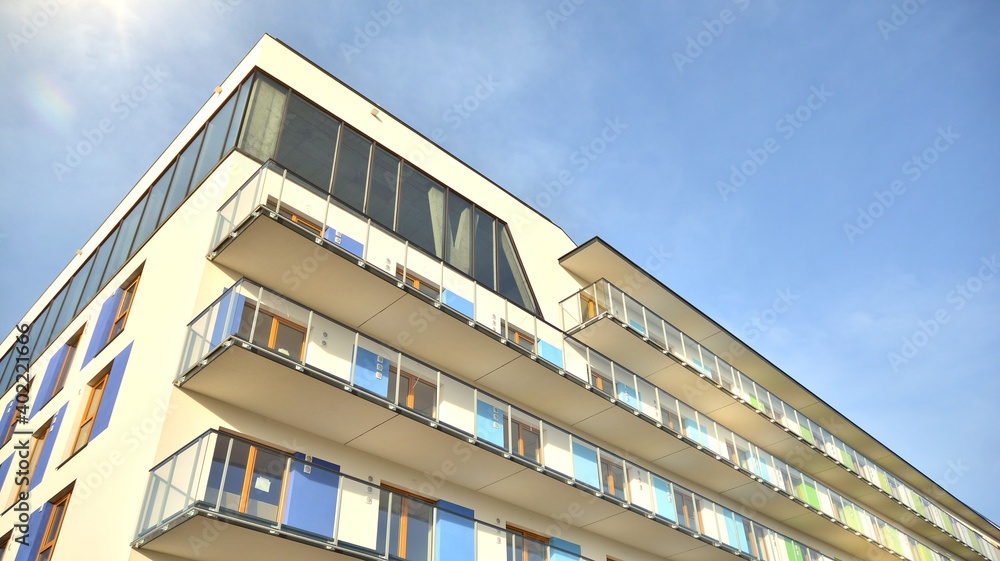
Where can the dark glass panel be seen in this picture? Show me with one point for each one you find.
(215, 137)
(382, 188)
(241, 106)
(459, 246)
(72, 302)
(513, 285)
(97, 273)
(484, 244)
(154, 206)
(182, 177)
(308, 142)
(126, 235)
(352, 169)
(267, 108)
(421, 211)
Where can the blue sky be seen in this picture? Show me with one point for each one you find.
(842, 154)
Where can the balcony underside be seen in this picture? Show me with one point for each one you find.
(255, 382)
(194, 535)
(607, 335)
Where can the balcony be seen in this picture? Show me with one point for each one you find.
(252, 348)
(606, 318)
(222, 497)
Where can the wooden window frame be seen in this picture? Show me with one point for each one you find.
(102, 383)
(411, 383)
(272, 334)
(50, 545)
(517, 438)
(525, 554)
(124, 308)
(404, 507)
(588, 307)
(599, 380)
(416, 282)
(607, 466)
(37, 442)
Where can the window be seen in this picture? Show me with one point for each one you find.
(601, 381)
(685, 508)
(124, 307)
(588, 308)
(417, 282)
(484, 245)
(308, 137)
(414, 393)
(421, 211)
(60, 379)
(351, 177)
(382, 188)
(512, 283)
(34, 453)
(51, 535)
(90, 411)
(409, 524)
(523, 545)
(246, 478)
(296, 216)
(520, 338)
(527, 441)
(614, 477)
(459, 242)
(273, 332)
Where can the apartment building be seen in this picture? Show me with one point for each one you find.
(309, 332)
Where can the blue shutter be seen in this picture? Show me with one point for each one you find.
(371, 372)
(455, 539)
(110, 392)
(52, 372)
(102, 329)
(5, 467)
(231, 303)
(50, 442)
(311, 503)
(490, 424)
(567, 551)
(8, 414)
(627, 395)
(37, 522)
(457, 303)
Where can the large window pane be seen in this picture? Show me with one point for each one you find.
(308, 142)
(96, 274)
(421, 211)
(267, 107)
(352, 169)
(182, 177)
(215, 137)
(484, 244)
(126, 234)
(37, 327)
(241, 106)
(68, 311)
(459, 246)
(44, 337)
(382, 190)
(512, 283)
(154, 204)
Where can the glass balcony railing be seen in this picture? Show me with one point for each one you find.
(603, 299)
(275, 190)
(310, 500)
(307, 340)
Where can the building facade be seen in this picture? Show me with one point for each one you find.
(308, 332)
